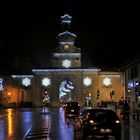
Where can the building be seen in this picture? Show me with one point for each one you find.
(65, 80)
(132, 82)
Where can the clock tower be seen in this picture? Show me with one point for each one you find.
(66, 55)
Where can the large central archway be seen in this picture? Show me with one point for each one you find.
(65, 90)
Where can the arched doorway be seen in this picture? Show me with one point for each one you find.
(65, 90)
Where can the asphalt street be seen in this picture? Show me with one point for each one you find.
(47, 124)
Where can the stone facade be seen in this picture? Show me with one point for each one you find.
(34, 92)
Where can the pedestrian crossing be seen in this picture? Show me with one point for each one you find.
(38, 132)
(40, 128)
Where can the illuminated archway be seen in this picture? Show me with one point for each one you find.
(65, 90)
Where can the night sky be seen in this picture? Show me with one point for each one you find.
(107, 33)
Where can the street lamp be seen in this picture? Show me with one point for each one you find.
(129, 90)
(46, 91)
(9, 97)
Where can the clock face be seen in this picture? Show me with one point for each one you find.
(66, 63)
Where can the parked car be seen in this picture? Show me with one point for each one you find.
(71, 109)
(97, 123)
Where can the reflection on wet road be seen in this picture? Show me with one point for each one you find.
(49, 124)
(14, 124)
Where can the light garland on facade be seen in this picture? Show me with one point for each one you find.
(21, 76)
(67, 33)
(67, 55)
(65, 70)
(66, 19)
(66, 42)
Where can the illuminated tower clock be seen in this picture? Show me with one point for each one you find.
(66, 55)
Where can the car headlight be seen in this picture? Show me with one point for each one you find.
(102, 130)
(117, 121)
(91, 122)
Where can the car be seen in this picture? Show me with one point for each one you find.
(71, 109)
(63, 105)
(97, 122)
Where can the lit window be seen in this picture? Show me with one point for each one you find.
(66, 47)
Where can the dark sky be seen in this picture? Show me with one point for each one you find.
(107, 33)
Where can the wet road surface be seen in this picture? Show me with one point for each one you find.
(48, 124)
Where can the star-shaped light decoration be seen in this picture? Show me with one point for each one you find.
(107, 81)
(46, 82)
(26, 82)
(87, 81)
(66, 63)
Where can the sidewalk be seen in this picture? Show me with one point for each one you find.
(133, 120)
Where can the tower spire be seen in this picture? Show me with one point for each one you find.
(66, 21)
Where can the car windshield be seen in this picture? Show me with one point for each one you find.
(101, 114)
(72, 104)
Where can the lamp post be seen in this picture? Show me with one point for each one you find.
(129, 94)
(89, 98)
(9, 95)
(9, 98)
(129, 90)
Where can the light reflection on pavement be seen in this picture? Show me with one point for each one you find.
(49, 124)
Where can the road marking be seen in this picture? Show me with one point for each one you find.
(27, 132)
